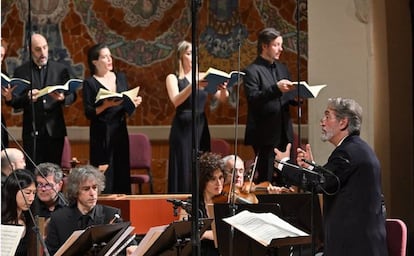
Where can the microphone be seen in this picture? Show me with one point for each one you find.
(177, 202)
(297, 167)
(344, 159)
(180, 203)
(115, 218)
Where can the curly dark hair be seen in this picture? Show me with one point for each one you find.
(209, 163)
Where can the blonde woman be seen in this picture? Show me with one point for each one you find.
(179, 90)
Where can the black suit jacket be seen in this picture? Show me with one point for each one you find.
(66, 220)
(48, 112)
(353, 219)
(268, 107)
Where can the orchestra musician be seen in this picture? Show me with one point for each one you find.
(18, 194)
(211, 182)
(83, 186)
(246, 190)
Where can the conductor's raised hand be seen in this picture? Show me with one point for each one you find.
(304, 154)
(279, 155)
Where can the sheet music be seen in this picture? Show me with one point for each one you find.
(120, 240)
(149, 239)
(263, 227)
(10, 238)
(69, 242)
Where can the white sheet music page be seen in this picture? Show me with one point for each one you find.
(10, 238)
(263, 227)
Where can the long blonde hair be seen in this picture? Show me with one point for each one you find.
(182, 47)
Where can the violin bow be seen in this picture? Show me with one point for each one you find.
(253, 172)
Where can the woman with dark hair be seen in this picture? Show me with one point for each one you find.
(211, 182)
(109, 144)
(18, 195)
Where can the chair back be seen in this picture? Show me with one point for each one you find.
(140, 153)
(396, 237)
(220, 146)
(66, 155)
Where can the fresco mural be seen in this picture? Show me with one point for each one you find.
(142, 35)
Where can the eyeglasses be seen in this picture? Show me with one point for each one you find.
(46, 186)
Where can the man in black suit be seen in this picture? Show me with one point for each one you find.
(42, 139)
(354, 223)
(84, 184)
(266, 84)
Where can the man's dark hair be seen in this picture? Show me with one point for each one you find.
(266, 36)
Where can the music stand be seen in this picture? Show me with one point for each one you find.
(120, 241)
(244, 245)
(175, 239)
(93, 237)
(296, 209)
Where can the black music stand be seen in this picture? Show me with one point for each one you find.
(243, 245)
(296, 208)
(94, 238)
(118, 242)
(175, 239)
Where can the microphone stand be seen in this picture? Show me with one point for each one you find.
(32, 104)
(313, 196)
(298, 70)
(232, 196)
(195, 231)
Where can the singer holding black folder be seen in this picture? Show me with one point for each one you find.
(179, 89)
(267, 83)
(354, 223)
(83, 186)
(108, 133)
(44, 127)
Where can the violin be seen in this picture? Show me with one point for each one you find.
(265, 187)
(240, 196)
(258, 189)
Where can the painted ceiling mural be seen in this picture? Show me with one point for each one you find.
(142, 35)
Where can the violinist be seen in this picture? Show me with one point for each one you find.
(249, 187)
(211, 183)
(241, 196)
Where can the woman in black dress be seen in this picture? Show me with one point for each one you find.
(109, 144)
(179, 91)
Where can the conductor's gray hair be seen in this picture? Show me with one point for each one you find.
(347, 109)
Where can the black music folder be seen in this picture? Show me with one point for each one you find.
(170, 240)
(93, 237)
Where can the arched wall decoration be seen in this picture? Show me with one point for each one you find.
(138, 52)
(145, 50)
(141, 13)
